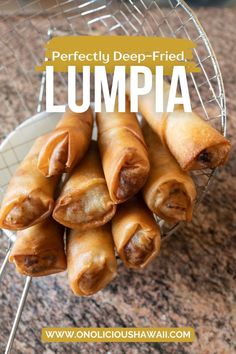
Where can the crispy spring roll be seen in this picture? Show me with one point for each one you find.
(123, 153)
(205, 147)
(169, 191)
(39, 250)
(67, 144)
(136, 234)
(192, 141)
(84, 201)
(29, 198)
(91, 260)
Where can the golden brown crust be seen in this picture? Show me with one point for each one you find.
(84, 201)
(91, 260)
(169, 192)
(123, 153)
(59, 157)
(136, 234)
(29, 198)
(39, 250)
(193, 142)
(67, 144)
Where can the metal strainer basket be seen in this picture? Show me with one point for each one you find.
(25, 26)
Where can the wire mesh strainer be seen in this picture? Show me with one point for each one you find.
(25, 26)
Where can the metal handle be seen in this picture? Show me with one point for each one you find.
(11, 237)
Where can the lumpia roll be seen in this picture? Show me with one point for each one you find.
(84, 201)
(67, 144)
(91, 260)
(169, 191)
(123, 153)
(39, 250)
(205, 147)
(193, 142)
(136, 234)
(29, 198)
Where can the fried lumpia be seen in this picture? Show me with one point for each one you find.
(136, 234)
(39, 250)
(123, 153)
(192, 141)
(169, 191)
(91, 260)
(67, 144)
(84, 201)
(29, 198)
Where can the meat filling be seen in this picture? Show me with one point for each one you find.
(91, 205)
(204, 157)
(211, 157)
(90, 280)
(174, 202)
(139, 248)
(131, 180)
(35, 264)
(23, 214)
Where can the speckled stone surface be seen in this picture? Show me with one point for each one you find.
(192, 283)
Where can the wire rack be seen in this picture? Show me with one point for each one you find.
(25, 26)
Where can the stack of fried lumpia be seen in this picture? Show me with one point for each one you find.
(112, 191)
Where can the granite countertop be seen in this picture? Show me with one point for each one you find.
(192, 283)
